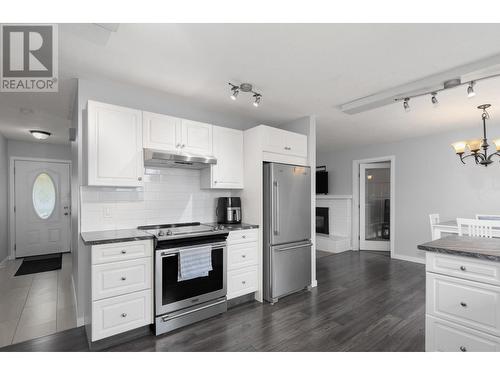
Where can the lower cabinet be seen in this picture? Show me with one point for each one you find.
(121, 288)
(242, 272)
(462, 314)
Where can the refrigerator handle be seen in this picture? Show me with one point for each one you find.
(276, 209)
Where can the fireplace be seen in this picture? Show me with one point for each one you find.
(322, 224)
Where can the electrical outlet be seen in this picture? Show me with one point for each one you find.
(108, 213)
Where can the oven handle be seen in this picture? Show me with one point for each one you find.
(177, 250)
(168, 317)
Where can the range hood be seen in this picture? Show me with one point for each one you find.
(165, 159)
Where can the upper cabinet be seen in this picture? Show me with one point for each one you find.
(169, 133)
(114, 145)
(228, 149)
(161, 132)
(284, 142)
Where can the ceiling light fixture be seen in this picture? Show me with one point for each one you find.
(470, 90)
(406, 105)
(40, 134)
(434, 99)
(245, 87)
(481, 158)
(257, 100)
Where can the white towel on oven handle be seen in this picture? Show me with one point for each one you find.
(195, 262)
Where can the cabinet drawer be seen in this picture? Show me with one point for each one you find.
(241, 255)
(472, 304)
(242, 281)
(114, 252)
(463, 267)
(443, 336)
(115, 315)
(114, 279)
(240, 236)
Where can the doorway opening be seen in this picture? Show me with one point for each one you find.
(373, 204)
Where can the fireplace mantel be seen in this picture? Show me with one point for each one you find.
(338, 238)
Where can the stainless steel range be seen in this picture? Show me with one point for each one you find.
(190, 273)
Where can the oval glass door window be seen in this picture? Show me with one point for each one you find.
(44, 196)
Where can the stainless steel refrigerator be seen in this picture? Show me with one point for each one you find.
(287, 229)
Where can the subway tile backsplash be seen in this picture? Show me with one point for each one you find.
(169, 195)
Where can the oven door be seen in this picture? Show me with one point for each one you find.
(172, 294)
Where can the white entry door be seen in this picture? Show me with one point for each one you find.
(375, 203)
(42, 207)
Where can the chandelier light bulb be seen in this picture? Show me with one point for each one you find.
(257, 100)
(235, 93)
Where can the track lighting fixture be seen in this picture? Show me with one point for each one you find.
(434, 99)
(257, 100)
(406, 105)
(470, 90)
(245, 87)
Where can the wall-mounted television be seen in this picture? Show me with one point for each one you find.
(321, 180)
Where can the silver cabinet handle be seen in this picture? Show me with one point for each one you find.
(462, 268)
(243, 282)
(306, 244)
(463, 349)
(243, 236)
(183, 145)
(276, 208)
(124, 315)
(463, 304)
(139, 178)
(243, 256)
(288, 148)
(215, 182)
(124, 278)
(178, 145)
(124, 251)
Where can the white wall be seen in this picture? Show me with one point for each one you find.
(169, 196)
(38, 149)
(429, 179)
(4, 178)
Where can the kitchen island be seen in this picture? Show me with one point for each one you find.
(462, 294)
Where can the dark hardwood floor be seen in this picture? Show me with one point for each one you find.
(364, 302)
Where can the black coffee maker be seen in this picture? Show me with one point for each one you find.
(228, 210)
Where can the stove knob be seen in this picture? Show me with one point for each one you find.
(169, 232)
(161, 233)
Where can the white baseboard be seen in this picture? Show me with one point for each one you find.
(409, 258)
(3, 263)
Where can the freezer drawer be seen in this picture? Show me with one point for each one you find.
(289, 271)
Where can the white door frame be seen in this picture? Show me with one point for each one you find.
(355, 199)
(12, 216)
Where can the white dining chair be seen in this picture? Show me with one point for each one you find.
(433, 219)
(475, 228)
(487, 217)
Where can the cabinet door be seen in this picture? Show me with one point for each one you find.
(114, 145)
(228, 149)
(161, 132)
(284, 142)
(196, 137)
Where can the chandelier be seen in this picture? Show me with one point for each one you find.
(475, 145)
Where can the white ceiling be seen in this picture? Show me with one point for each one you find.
(300, 69)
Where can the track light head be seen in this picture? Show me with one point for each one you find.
(257, 100)
(406, 105)
(434, 99)
(235, 93)
(470, 90)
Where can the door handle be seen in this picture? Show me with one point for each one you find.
(276, 208)
(306, 244)
(66, 214)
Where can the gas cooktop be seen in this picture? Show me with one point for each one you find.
(182, 230)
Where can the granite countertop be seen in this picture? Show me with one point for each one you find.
(475, 247)
(111, 236)
(240, 226)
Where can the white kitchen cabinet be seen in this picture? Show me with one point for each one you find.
(121, 288)
(462, 304)
(196, 137)
(242, 261)
(114, 145)
(161, 132)
(284, 142)
(227, 147)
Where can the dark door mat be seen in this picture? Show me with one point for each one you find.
(40, 263)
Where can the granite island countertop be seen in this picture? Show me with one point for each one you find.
(112, 236)
(473, 247)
